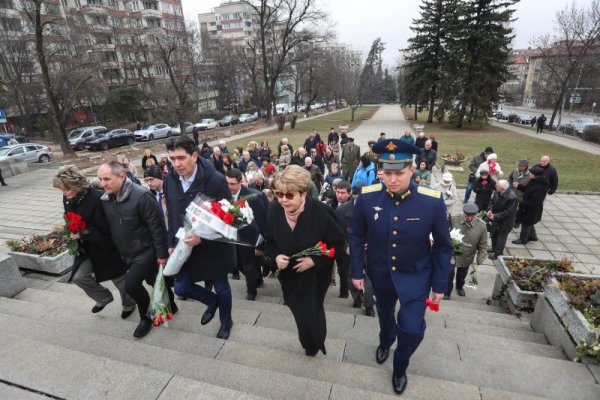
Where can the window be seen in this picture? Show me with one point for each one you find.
(113, 4)
(31, 148)
(135, 6)
(65, 3)
(78, 3)
(237, 15)
(150, 6)
(18, 150)
(248, 23)
(100, 20)
(153, 23)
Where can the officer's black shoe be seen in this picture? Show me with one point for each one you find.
(460, 292)
(235, 276)
(493, 257)
(446, 297)
(126, 313)
(225, 330)
(209, 313)
(97, 308)
(358, 302)
(174, 308)
(533, 239)
(369, 312)
(399, 383)
(518, 241)
(343, 295)
(381, 354)
(251, 296)
(143, 328)
(311, 352)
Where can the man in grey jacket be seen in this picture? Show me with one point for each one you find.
(138, 231)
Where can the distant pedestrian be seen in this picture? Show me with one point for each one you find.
(138, 126)
(195, 135)
(541, 123)
(381, 137)
(533, 121)
(421, 139)
(2, 179)
(434, 143)
(408, 137)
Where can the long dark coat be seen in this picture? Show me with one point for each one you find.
(532, 206)
(250, 234)
(504, 207)
(304, 292)
(210, 259)
(484, 192)
(97, 244)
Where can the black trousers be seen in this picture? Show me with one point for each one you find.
(246, 263)
(343, 266)
(499, 242)
(143, 268)
(2, 179)
(527, 233)
(461, 274)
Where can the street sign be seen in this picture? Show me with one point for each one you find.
(2, 116)
(575, 98)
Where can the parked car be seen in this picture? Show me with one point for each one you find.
(152, 132)
(110, 139)
(229, 120)
(188, 128)
(79, 137)
(206, 124)
(577, 126)
(502, 114)
(29, 152)
(524, 119)
(248, 118)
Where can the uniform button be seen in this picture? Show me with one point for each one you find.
(393, 244)
(394, 232)
(394, 258)
(393, 268)
(397, 203)
(395, 218)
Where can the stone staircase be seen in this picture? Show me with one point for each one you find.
(54, 347)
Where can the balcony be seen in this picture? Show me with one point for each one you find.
(93, 9)
(150, 12)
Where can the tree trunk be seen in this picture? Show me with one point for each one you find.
(416, 113)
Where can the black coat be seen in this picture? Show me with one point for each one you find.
(532, 206)
(251, 234)
(484, 192)
(304, 292)
(551, 177)
(102, 253)
(210, 259)
(504, 208)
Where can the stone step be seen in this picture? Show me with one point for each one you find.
(231, 369)
(16, 393)
(448, 312)
(70, 374)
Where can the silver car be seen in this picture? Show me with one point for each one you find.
(28, 152)
(153, 132)
(79, 137)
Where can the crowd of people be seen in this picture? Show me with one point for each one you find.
(376, 209)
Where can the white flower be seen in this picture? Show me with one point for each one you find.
(456, 236)
(225, 205)
(247, 214)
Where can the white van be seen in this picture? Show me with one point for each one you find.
(283, 109)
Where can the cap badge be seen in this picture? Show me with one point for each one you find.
(391, 146)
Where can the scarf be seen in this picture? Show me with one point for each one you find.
(292, 217)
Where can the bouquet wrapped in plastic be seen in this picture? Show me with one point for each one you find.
(160, 305)
(210, 220)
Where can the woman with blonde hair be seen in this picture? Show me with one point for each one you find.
(296, 222)
(99, 259)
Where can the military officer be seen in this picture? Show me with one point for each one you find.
(396, 219)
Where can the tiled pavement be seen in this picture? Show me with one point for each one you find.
(570, 226)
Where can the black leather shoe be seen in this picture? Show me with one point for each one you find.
(369, 312)
(209, 314)
(533, 239)
(460, 292)
(126, 314)
(381, 354)
(399, 383)
(493, 257)
(143, 328)
(446, 297)
(174, 308)
(225, 330)
(97, 309)
(518, 241)
(311, 352)
(343, 295)
(251, 296)
(358, 302)
(490, 251)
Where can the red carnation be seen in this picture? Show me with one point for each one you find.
(82, 226)
(241, 203)
(484, 182)
(228, 218)
(70, 215)
(73, 227)
(431, 305)
(331, 253)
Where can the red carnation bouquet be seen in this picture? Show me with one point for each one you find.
(75, 228)
(159, 310)
(319, 249)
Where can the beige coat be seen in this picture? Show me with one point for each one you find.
(476, 240)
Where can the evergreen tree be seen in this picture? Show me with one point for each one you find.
(487, 34)
(428, 62)
(371, 77)
(389, 92)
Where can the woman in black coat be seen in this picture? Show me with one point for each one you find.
(532, 205)
(484, 187)
(295, 223)
(99, 255)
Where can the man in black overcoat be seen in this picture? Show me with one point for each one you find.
(532, 205)
(501, 214)
(253, 234)
(210, 260)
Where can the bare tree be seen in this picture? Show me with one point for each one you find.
(578, 31)
(282, 26)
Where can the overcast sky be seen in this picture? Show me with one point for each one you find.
(359, 22)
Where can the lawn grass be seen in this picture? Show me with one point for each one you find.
(296, 137)
(575, 168)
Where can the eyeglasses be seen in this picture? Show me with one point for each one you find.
(281, 195)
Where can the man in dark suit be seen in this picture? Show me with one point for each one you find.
(252, 234)
(210, 260)
(396, 220)
(344, 216)
(217, 159)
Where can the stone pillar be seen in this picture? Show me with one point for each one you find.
(11, 283)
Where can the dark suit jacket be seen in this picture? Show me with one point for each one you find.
(251, 233)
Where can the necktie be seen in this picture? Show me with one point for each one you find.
(160, 204)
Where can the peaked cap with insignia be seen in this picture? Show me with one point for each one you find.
(395, 154)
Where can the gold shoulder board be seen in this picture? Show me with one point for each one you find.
(372, 188)
(429, 192)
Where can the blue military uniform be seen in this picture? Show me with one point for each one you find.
(401, 261)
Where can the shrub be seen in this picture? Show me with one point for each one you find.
(591, 133)
(512, 118)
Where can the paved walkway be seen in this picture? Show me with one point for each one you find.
(570, 226)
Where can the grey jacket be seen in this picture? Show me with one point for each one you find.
(136, 224)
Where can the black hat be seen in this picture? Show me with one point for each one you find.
(537, 171)
(395, 154)
(470, 208)
(524, 162)
(357, 188)
(153, 172)
(350, 139)
(488, 150)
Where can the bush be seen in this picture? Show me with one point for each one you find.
(280, 122)
(512, 118)
(591, 133)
